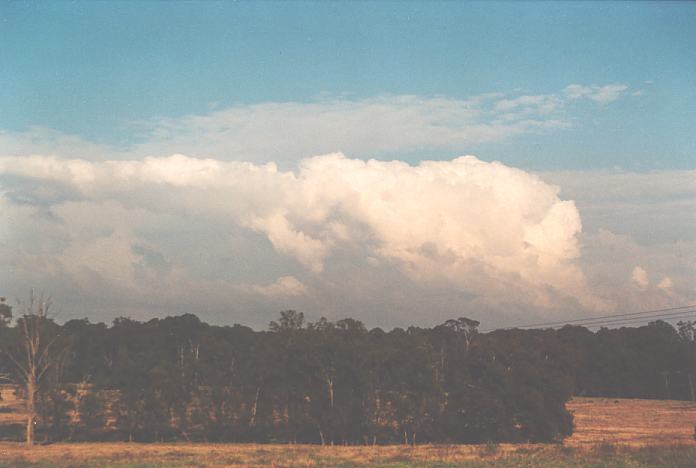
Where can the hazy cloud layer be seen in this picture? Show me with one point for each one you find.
(285, 132)
(654, 208)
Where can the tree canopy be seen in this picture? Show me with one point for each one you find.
(327, 382)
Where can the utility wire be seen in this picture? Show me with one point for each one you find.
(672, 316)
(586, 319)
(579, 321)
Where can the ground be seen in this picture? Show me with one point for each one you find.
(609, 432)
(631, 422)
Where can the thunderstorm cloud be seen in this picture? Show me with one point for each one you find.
(485, 229)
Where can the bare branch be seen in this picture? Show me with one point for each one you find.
(24, 371)
(38, 356)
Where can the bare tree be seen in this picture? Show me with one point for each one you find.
(35, 358)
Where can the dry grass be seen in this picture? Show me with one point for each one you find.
(632, 422)
(241, 454)
(609, 432)
(11, 406)
(170, 455)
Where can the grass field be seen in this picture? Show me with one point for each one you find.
(631, 422)
(609, 432)
(142, 455)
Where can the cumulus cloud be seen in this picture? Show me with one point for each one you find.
(666, 284)
(640, 277)
(482, 228)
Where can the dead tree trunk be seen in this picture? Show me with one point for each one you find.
(254, 407)
(330, 385)
(31, 409)
(36, 359)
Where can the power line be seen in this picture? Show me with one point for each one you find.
(586, 319)
(672, 316)
(669, 316)
(579, 321)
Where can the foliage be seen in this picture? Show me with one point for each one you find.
(5, 313)
(179, 379)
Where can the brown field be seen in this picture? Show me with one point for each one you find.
(508, 455)
(609, 432)
(631, 422)
(12, 406)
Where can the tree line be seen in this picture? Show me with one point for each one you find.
(327, 382)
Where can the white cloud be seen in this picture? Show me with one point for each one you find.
(46, 141)
(640, 277)
(383, 241)
(601, 94)
(121, 230)
(284, 132)
(484, 229)
(666, 284)
(543, 104)
(288, 131)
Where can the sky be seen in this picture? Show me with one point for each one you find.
(397, 162)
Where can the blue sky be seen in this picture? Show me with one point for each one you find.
(240, 158)
(96, 69)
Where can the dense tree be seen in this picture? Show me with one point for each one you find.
(5, 319)
(330, 382)
(5, 313)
